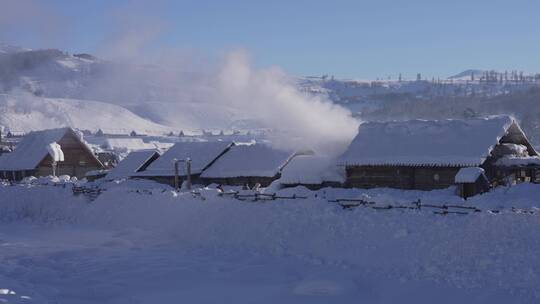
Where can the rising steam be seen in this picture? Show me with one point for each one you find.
(227, 95)
(269, 97)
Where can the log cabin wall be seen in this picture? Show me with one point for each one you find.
(401, 177)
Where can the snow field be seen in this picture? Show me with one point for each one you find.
(129, 247)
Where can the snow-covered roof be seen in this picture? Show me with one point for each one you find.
(161, 145)
(311, 170)
(31, 150)
(132, 163)
(201, 154)
(468, 175)
(511, 161)
(426, 143)
(249, 160)
(127, 143)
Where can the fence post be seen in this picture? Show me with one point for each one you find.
(188, 172)
(176, 177)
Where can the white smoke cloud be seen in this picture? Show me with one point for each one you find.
(269, 96)
(229, 94)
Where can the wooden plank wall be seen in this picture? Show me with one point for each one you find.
(401, 177)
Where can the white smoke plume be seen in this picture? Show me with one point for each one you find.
(269, 97)
(229, 94)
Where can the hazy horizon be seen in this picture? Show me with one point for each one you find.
(347, 39)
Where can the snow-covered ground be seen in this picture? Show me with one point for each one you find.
(139, 242)
(25, 113)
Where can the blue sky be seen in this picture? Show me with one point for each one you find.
(348, 39)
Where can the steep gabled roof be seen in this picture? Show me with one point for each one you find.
(133, 163)
(202, 154)
(257, 160)
(462, 143)
(31, 150)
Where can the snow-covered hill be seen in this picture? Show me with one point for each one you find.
(164, 95)
(28, 112)
(237, 97)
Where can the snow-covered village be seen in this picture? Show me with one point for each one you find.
(285, 152)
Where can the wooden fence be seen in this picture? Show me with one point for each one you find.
(346, 203)
(91, 193)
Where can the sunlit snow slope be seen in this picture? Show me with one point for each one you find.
(25, 113)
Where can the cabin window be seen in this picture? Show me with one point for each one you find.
(436, 177)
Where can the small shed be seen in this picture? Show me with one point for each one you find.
(471, 181)
(31, 157)
(201, 154)
(313, 172)
(134, 162)
(247, 164)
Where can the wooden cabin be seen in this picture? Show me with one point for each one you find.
(247, 165)
(31, 157)
(426, 155)
(202, 155)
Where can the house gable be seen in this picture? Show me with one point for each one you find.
(32, 158)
